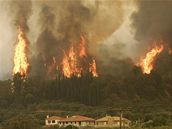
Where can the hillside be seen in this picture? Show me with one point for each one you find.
(148, 97)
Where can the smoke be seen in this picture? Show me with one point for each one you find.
(121, 43)
(62, 22)
(153, 21)
(6, 36)
(21, 11)
(13, 13)
(51, 26)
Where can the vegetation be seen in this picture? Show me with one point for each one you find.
(148, 96)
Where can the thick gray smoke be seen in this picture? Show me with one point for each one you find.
(51, 26)
(46, 43)
(153, 21)
(62, 23)
(21, 11)
(6, 34)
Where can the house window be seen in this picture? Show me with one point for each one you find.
(66, 122)
(53, 121)
(49, 121)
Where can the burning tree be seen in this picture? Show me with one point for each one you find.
(70, 64)
(77, 62)
(21, 64)
(147, 62)
(93, 68)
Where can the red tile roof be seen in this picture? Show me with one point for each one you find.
(55, 118)
(114, 118)
(77, 118)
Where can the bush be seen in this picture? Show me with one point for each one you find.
(159, 121)
(21, 122)
(71, 127)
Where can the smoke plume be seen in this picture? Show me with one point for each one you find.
(153, 21)
(15, 13)
(52, 26)
(21, 11)
(63, 22)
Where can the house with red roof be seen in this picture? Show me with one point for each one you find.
(53, 120)
(76, 120)
(112, 121)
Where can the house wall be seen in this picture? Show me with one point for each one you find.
(51, 122)
(88, 123)
(83, 123)
(111, 124)
(68, 123)
(91, 123)
(101, 123)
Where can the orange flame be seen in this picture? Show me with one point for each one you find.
(82, 52)
(93, 68)
(146, 63)
(72, 63)
(66, 67)
(21, 63)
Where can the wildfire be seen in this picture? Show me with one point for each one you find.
(66, 67)
(82, 52)
(146, 63)
(21, 63)
(71, 63)
(93, 68)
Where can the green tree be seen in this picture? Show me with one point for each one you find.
(29, 98)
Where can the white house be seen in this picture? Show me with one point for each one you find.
(53, 120)
(76, 120)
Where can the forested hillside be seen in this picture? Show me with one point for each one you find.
(148, 96)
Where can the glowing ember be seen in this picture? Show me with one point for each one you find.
(93, 68)
(21, 64)
(147, 63)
